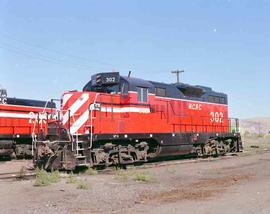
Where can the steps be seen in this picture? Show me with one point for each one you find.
(80, 152)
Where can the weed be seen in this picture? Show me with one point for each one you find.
(42, 178)
(91, 171)
(142, 177)
(82, 184)
(123, 175)
(54, 176)
(72, 179)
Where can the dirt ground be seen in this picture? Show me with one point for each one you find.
(234, 184)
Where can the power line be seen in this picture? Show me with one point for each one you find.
(101, 65)
(5, 35)
(39, 56)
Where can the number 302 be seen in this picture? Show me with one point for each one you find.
(110, 79)
(216, 117)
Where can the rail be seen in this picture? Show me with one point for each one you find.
(185, 127)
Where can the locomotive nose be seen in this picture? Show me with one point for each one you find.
(75, 110)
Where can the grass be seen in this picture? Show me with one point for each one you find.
(82, 184)
(54, 176)
(142, 177)
(43, 178)
(91, 171)
(72, 179)
(123, 174)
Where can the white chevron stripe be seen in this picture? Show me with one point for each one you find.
(66, 97)
(75, 106)
(79, 123)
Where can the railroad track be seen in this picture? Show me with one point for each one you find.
(16, 175)
(163, 163)
(185, 161)
(29, 174)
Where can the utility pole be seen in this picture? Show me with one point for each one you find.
(3, 95)
(177, 72)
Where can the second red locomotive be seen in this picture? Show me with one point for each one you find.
(123, 120)
(20, 121)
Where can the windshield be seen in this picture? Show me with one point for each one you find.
(106, 89)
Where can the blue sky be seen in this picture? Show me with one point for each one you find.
(47, 47)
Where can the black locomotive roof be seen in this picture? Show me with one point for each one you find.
(175, 90)
(23, 102)
(28, 102)
(178, 90)
(137, 82)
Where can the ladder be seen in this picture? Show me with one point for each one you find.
(80, 151)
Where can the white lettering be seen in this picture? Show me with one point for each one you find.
(3, 99)
(195, 106)
(216, 117)
(110, 79)
(41, 117)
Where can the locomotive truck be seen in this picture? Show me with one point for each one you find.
(20, 121)
(125, 120)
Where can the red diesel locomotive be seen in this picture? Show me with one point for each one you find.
(20, 121)
(123, 120)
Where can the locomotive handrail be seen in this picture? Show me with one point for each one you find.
(37, 119)
(192, 125)
(199, 125)
(91, 119)
(236, 126)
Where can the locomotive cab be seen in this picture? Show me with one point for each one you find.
(107, 83)
(113, 83)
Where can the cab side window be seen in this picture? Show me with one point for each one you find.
(160, 92)
(124, 88)
(142, 94)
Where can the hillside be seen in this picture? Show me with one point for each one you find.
(255, 125)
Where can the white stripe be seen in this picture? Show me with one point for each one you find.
(78, 124)
(66, 97)
(76, 105)
(22, 116)
(126, 109)
(15, 115)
